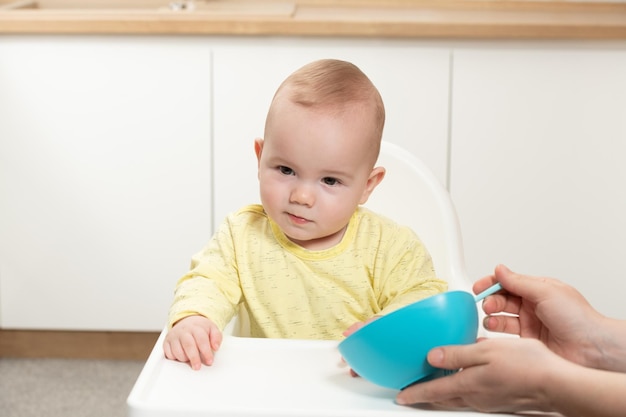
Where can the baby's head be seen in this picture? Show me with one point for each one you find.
(336, 89)
(316, 162)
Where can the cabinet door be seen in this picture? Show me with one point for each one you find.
(538, 173)
(413, 81)
(105, 170)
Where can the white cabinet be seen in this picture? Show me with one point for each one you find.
(105, 177)
(537, 163)
(413, 80)
(107, 174)
(119, 154)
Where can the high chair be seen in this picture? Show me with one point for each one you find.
(281, 377)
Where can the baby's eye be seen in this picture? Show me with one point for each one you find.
(285, 170)
(330, 181)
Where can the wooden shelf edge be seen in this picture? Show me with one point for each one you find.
(76, 344)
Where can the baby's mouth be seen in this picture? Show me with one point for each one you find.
(297, 219)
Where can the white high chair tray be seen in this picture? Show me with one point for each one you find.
(263, 377)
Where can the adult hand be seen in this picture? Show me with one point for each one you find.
(505, 374)
(545, 309)
(193, 339)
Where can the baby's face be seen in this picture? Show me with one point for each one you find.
(314, 170)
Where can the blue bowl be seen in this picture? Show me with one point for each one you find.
(391, 351)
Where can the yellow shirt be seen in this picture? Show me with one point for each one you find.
(292, 292)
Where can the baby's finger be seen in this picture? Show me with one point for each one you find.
(353, 328)
(177, 352)
(191, 351)
(167, 350)
(215, 336)
(203, 346)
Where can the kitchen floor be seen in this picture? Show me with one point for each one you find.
(66, 387)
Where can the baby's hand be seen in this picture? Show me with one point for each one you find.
(356, 326)
(193, 339)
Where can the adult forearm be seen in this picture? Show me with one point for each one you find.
(612, 346)
(584, 392)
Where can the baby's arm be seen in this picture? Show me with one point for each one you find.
(193, 339)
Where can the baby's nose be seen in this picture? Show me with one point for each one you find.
(303, 194)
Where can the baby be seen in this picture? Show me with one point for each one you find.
(309, 262)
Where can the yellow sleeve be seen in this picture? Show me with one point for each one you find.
(211, 288)
(408, 273)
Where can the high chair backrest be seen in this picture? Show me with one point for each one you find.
(411, 195)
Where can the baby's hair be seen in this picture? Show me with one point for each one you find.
(331, 84)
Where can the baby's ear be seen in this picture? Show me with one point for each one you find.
(258, 148)
(376, 176)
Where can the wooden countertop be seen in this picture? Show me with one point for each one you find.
(460, 19)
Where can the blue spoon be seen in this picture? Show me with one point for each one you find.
(494, 288)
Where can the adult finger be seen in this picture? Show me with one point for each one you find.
(443, 391)
(502, 303)
(502, 324)
(450, 389)
(456, 356)
(530, 288)
(483, 283)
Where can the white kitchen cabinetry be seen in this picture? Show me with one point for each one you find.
(106, 158)
(537, 163)
(412, 78)
(119, 154)
(105, 177)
